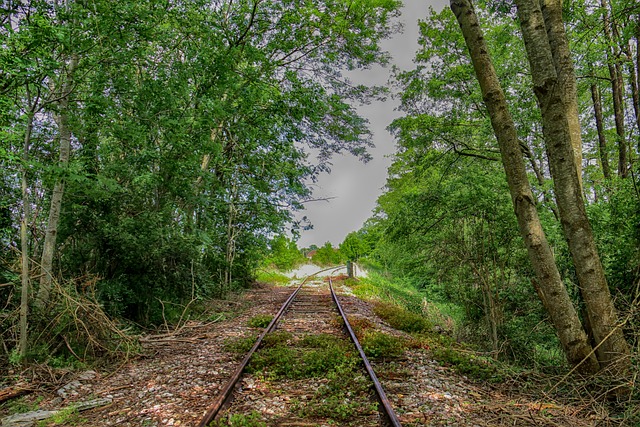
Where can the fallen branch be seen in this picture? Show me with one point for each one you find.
(13, 392)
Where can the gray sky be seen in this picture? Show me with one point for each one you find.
(353, 185)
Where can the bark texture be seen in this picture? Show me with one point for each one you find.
(561, 56)
(551, 288)
(602, 314)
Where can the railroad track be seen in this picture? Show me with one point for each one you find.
(311, 310)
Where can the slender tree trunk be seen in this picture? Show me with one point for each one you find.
(566, 79)
(638, 64)
(577, 230)
(537, 170)
(64, 132)
(602, 141)
(633, 82)
(617, 91)
(230, 251)
(552, 290)
(24, 239)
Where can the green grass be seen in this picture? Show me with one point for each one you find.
(272, 277)
(68, 416)
(240, 344)
(346, 392)
(469, 364)
(345, 396)
(21, 405)
(405, 308)
(379, 345)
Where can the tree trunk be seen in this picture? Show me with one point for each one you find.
(64, 132)
(638, 64)
(24, 239)
(617, 91)
(577, 229)
(633, 82)
(553, 292)
(602, 141)
(566, 79)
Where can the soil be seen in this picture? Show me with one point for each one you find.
(181, 371)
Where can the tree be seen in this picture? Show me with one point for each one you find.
(551, 67)
(327, 255)
(549, 283)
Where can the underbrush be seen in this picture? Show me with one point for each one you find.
(253, 419)
(431, 329)
(73, 332)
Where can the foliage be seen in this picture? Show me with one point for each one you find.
(312, 356)
(254, 419)
(380, 345)
(240, 344)
(260, 321)
(468, 364)
(272, 277)
(357, 244)
(68, 416)
(401, 319)
(327, 255)
(190, 140)
(284, 254)
(345, 396)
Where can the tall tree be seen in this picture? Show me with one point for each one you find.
(550, 70)
(549, 283)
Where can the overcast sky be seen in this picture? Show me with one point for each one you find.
(352, 185)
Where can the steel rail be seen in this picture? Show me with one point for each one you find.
(226, 392)
(388, 411)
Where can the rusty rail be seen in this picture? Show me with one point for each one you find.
(226, 392)
(389, 413)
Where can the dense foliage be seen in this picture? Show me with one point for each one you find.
(445, 224)
(192, 130)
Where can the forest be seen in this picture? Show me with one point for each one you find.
(153, 154)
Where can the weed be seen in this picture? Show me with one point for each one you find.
(254, 419)
(312, 356)
(260, 321)
(360, 325)
(401, 319)
(345, 395)
(468, 364)
(380, 345)
(272, 277)
(275, 339)
(21, 405)
(68, 416)
(240, 344)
